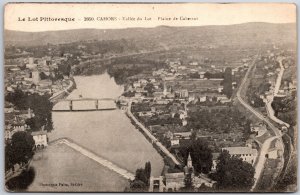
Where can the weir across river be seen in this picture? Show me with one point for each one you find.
(113, 167)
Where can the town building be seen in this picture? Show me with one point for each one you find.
(174, 181)
(183, 93)
(36, 77)
(156, 184)
(247, 154)
(40, 139)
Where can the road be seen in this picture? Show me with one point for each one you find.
(271, 112)
(266, 145)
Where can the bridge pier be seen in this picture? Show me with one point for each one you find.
(96, 104)
(71, 105)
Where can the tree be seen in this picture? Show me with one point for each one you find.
(43, 76)
(149, 88)
(141, 180)
(9, 155)
(148, 171)
(22, 181)
(138, 186)
(177, 115)
(195, 75)
(227, 88)
(33, 123)
(207, 75)
(201, 156)
(233, 174)
(141, 175)
(65, 68)
(22, 145)
(247, 129)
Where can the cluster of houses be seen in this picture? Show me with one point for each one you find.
(168, 84)
(172, 91)
(28, 77)
(15, 122)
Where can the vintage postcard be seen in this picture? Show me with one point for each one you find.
(142, 97)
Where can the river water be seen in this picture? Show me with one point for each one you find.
(108, 133)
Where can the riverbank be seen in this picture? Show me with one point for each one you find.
(169, 158)
(108, 134)
(63, 93)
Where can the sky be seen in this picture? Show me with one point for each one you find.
(202, 13)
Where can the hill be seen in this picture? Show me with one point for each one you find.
(239, 34)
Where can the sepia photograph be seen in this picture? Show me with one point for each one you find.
(150, 97)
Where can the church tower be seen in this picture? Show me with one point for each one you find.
(189, 162)
(189, 167)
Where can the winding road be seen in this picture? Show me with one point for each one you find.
(266, 145)
(271, 112)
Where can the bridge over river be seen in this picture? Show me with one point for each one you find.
(85, 104)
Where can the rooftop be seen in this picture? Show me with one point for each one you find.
(39, 133)
(174, 175)
(240, 150)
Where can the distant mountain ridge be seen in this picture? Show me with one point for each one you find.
(235, 34)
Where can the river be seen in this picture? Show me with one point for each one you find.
(108, 134)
